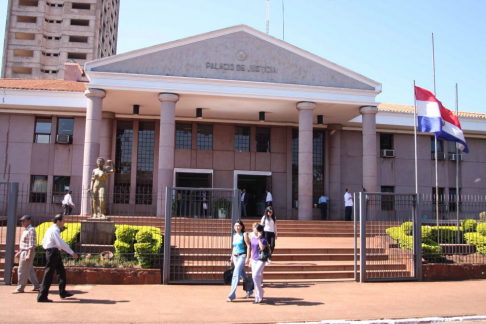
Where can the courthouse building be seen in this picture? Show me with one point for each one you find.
(233, 108)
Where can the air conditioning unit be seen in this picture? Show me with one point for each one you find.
(440, 155)
(64, 139)
(455, 157)
(388, 153)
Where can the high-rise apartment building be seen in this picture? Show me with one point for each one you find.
(40, 35)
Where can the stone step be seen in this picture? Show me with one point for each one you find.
(275, 267)
(278, 251)
(287, 257)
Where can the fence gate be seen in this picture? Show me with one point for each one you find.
(198, 233)
(8, 226)
(380, 257)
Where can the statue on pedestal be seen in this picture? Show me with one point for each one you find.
(98, 188)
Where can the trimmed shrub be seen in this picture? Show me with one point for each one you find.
(431, 251)
(481, 229)
(426, 233)
(149, 243)
(469, 225)
(69, 234)
(122, 249)
(125, 233)
(407, 228)
(448, 234)
(475, 239)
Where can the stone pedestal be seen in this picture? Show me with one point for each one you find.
(95, 231)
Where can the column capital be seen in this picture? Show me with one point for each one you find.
(168, 97)
(95, 93)
(334, 126)
(306, 105)
(368, 110)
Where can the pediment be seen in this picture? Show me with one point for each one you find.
(239, 53)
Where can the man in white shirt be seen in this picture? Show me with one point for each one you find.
(67, 203)
(348, 205)
(323, 205)
(269, 199)
(26, 256)
(53, 244)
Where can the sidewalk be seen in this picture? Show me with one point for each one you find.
(294, 302)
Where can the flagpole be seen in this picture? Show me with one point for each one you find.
(457, 171)
(415, 135)
(436, 159)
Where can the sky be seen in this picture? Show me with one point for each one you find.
(388, 41)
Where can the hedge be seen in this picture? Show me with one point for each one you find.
(469, 225)
(430, 250)
(69, 234)
(481, 229)
(146, 241)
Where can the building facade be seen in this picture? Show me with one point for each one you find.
(42, 35)
(234, 108)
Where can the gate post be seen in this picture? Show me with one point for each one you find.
(417, 230)
(13, 192)
(355, 228)
(168, 222)
(362, 234)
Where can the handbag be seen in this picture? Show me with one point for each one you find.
(264, 255)
(228, 276)
(248, 284)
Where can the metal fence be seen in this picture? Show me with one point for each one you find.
(380, 257)
(198, 227)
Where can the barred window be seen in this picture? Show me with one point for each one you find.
(184, 136)
(205, 137)
(145, 163)
(295, 165)
(388, 201)
(38, 189)
(123, 162)
(242, 139)
(318, 164)
(262, 139)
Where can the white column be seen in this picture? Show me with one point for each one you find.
(305, 159)
(91, 141)
(370, 161)
(165, 174)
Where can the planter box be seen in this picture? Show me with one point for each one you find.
(103, 276)
(444, 272)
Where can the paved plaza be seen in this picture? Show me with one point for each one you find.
(291, 302)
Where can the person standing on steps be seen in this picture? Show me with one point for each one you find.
(322, 202)
(26, 255)
(348, 205)
(67, 203)
(269, 198)
(244, 202)
(53, 244)
(269, 223)
(240, 258)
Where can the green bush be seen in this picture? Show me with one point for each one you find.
(426, 233)
(125, 233)
(69, 234)
(475, 239)
(122, 249)
(407, 228)
(481, 229)
(431, 251)
(469, 225)
(145, 241)
(448, 234)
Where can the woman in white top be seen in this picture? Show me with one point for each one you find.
(269, 223)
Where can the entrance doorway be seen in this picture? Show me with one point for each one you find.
(255, 186)
(193, 180)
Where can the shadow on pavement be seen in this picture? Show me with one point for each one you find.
(93, 301)
(288, 302)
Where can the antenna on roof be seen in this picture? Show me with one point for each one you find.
(268, 16)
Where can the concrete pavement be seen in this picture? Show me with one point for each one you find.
(293, 302)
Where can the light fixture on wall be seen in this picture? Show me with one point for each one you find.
(320, 119)
(261, 116)
(199, 113)
(136, 109)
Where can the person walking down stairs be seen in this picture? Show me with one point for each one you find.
(269, 223)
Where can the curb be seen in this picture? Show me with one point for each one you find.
(428, 320)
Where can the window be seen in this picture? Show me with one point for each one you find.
(26, 19)
(318, 164)
(242, 139)
(145, 163)
(77, 56)
(205, 137)
(388, 201)
(451, 147)
(38, 189)
(23, 53)
(79, 22)
(83, 6)
(25, 36)
(123, 162)
(184, 136)
(78, 39)
(441, 199)
(262, 139)
(60, 187)
(42, 130)
(29, 3)
(386, 141)
(452, 199)
(53, 21)
(65, 130)
(295, 166)
(440, 145)
(21, 70)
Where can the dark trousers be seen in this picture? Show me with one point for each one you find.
(54, 264)
(348, 212)
(323, 210)
(243, 209)
(270, 237)
(269, 203)
(67, 209)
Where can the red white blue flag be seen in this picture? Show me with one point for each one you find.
(451, 129)
(428, 111)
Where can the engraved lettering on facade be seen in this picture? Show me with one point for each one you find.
(241, 67)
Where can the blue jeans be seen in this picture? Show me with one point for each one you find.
(239, 271)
